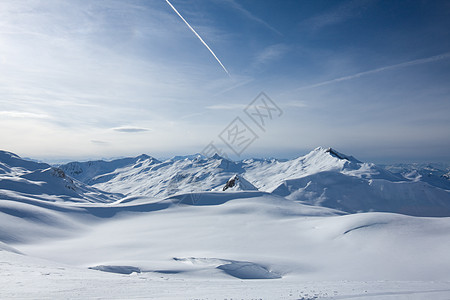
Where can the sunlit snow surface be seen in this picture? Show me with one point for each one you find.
(239, 244)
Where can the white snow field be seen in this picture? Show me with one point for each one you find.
(320, 226)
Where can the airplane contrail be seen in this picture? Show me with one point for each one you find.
(199, 37)
(400, 65)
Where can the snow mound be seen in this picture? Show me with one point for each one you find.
(353, 194)
(117, 269)
(6, 247)
(247, 270)
(234, 268)
(247, 235)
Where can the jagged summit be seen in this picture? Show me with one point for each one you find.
(217, 156)
(196, 156)
(334, 153)
(237, 183)
(138, 158)
(144, 156)
(340, 155)
(144, 159)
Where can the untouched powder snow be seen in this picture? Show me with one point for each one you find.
(218, 241)
(24, 277)
(282, 230)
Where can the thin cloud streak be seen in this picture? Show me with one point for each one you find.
(295, 104)
(251, 16)
(199, 37)
(343, 12)
(227, 107)
(23, 114)
(392, 67)
(235, 86)
(130, 129)
(269, 54)
(98, 142)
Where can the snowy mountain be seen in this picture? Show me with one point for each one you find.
(146, 176)
(24, 178)
(275, 222)
(432, 173)
(236, 183)
(327, 178)
(323, 177)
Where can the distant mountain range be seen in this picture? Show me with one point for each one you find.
(324, 177)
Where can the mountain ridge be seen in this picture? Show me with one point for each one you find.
(323, 177)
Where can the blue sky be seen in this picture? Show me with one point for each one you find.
(90, 79)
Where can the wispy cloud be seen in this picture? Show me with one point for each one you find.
(343, 12)
(270, 53)
(100, 143)
(294, 104)
(238, 7)
(237, 83)
(226, 106)
(69, 70)
(378, 70)
(23, 114)
(198, 36)
(130, 129)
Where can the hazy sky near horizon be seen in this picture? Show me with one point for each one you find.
(89, 79)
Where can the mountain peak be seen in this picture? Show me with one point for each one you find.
(332, 152)
(8, 155)
(144, 157)
(238, 183)
(196, 156)
(14, 160)
(217, 156)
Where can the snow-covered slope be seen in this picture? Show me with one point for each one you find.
(146, 176)
(437, 174)
(323, 177)
(353, 194)
(99, 171)
(213, 244)
(218, 238)
(23, 178)
(327, 178)
(25, 277)
(12, 163)
(268, 175)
